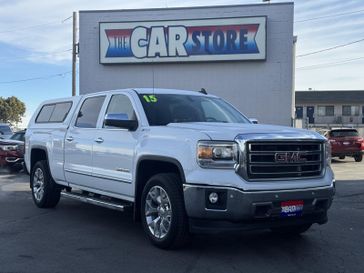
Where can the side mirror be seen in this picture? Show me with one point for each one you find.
(121, 120)
(253, 120)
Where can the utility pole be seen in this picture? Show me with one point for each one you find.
(74, 53)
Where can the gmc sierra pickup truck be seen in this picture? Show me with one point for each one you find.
(184, 162)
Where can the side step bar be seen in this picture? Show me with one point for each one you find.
(97, 201)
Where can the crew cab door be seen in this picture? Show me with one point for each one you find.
(79, 142)
(114, 150)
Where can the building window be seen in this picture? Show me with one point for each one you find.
(351, 110)
(326, 110)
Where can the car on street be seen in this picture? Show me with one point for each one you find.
(12, 151)
(345, 142)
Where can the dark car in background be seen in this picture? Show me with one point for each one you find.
(345, 142)
(12, 151)
(5, 131)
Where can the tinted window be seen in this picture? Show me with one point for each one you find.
(5, 129)
(121, 104)
(60, 112)
(344, 133)
(162, 109)
(45, 113)
(89, 112)
(54, 112)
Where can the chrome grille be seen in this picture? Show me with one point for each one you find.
(272, 160)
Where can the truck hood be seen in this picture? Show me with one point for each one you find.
(229, 131)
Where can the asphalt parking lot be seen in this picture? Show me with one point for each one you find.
(77, 237)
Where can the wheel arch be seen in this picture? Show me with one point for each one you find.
(37, 153)
(146, 167)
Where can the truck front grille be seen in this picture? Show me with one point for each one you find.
(273, 160)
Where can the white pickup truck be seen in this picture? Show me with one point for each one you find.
(184, 162)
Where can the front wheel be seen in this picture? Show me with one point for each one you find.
(292, 230)
(45, 192)
(358, 158)
(163, 212)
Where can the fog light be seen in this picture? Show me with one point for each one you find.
(213, 197)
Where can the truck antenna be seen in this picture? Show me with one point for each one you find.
(203, 91)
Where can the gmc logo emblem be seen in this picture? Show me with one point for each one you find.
(289, 157)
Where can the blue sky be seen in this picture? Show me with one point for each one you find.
(35, 42)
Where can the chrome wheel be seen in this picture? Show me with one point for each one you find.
(158, 212)
(38, 184)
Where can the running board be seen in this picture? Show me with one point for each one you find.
(97, 201)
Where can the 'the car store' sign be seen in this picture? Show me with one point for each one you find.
(183, 40)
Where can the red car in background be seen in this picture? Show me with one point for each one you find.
(345, 142)
(12, 151)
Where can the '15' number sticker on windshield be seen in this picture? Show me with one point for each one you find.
(150, 98)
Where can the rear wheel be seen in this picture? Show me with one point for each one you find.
(292, 230)
(358, 158)
(163, 212)
(46, 193)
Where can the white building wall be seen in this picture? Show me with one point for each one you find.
(260, 89)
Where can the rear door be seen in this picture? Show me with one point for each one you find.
(310, 113)
(79, 141)
(114, 150)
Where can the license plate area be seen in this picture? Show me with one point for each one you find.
(292, 208)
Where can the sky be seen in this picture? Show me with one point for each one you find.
(36, 42)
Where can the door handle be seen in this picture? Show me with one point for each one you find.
(99, 140)
(69, 138)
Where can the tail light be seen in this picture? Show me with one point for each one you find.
(360, 141)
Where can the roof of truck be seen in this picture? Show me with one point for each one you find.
(166, 91)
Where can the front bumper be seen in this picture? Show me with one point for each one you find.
(243, 210)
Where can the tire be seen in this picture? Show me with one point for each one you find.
(45, 192)
(342, 157)
(292, 230)
(358, 158)
(172, 230)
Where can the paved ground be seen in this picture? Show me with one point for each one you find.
(77, 237)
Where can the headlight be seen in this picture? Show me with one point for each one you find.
(328, 153)
(217, 154)
(9, 147)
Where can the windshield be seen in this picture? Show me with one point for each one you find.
(5, 130)
(18, 136)
(162, 109)
(344, 133)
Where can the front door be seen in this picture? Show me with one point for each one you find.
(310, 114)
(79, 142)
(299, 112)
(113, 154)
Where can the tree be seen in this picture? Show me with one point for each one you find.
(11, 110)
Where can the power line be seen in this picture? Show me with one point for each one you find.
(38, 78)
(36, 26)
(330, 48)
(314, 66)
(37, 54)
(329, 16)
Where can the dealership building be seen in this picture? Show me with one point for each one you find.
(242, 53)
